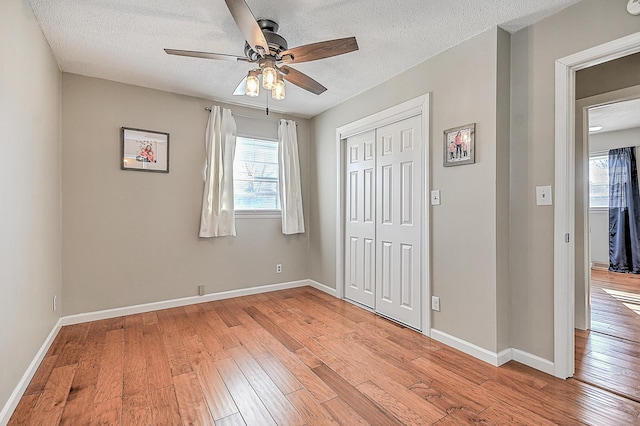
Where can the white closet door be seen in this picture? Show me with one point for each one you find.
(360, 227)
(398, 221)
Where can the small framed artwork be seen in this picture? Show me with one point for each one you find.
(144, 150)
(460, 145)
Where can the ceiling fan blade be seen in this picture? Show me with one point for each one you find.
(206, 55)
(248, 25)
(321, 50)
(302, 80)
(242, 88)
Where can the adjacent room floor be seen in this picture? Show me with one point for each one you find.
(290, 357)
(608, 355)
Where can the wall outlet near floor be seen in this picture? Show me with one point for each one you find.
(279, 268)
(55, 303)
(435, 303)
(201, 290)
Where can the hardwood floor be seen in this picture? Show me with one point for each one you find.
(615, 302)
(609, 354)
(291, 357)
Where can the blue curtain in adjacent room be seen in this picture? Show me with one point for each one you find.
(624, 211)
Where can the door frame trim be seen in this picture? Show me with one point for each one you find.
(411, 108)
(564, 208)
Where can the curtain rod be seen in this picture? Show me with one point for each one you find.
(253, 118)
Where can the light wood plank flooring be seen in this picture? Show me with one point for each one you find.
(291, 357)
(609, 354)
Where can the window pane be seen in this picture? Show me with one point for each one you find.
(255, 175)
(599, 181)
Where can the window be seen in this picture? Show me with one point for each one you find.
(255, 175)
(599, 181)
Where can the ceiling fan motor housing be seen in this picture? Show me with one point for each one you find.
(276, 42)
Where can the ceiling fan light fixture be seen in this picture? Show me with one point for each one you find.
(278, 89)
(253, 84)
(269, 51)
(269, 76)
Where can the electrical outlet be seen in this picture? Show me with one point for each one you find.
(201, 290)
(279, 268)
(435, 303)
(55, 304)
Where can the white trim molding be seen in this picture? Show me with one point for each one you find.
(533, 361)
(19, 390)
(324, 288)
(564, 209)
(493, 358)
(174, 303)
(418, 106)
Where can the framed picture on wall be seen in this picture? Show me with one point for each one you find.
(144, 150)
(460, 145)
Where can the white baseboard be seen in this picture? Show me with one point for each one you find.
(505, 356)
(323, 288)
(533, 361)
(475, 351)
(165, 304)
(14, 399)
(495, 359)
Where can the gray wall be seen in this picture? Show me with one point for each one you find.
(503, 126)
(132, 237)
(534, 51)
(466, 268)
(608, 76)
(30, 191)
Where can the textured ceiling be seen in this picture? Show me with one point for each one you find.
(123, 40)
(616, 116)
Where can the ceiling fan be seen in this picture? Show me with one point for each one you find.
(271, 53)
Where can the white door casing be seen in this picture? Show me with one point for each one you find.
(398, 227)
(360, 225)
(564, 217)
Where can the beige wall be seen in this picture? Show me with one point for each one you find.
(608, 76)
(464, 86)
(534, 52)
(30, 191)
(503, 105)
(132, 237)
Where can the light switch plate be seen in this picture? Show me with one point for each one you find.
(435, 303)
(543, 195)
(435, 197)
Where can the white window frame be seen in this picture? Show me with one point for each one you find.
(593, 155)
(259, 213)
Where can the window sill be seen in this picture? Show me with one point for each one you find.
(258, 214)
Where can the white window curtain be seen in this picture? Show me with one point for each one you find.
(218, 217)
(290, 186)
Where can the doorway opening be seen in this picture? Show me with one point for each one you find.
(565, 184)
(608, 305)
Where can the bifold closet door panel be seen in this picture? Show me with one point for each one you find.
(398, 231)
(360, 226)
